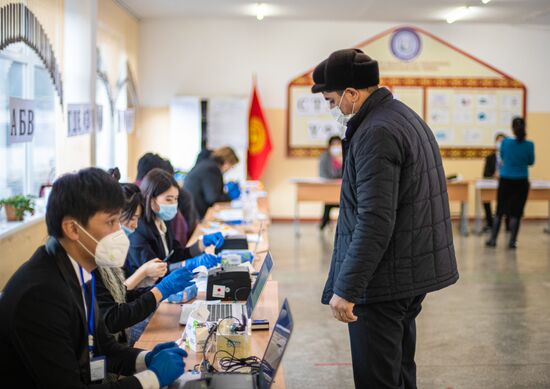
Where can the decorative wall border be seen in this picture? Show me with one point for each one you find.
(19, 24)
(129, 81)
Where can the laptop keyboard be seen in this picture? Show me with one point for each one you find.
(219, 311)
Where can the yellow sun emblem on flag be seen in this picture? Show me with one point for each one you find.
(256, 136)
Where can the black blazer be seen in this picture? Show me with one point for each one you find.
(146, 244)
(44, 332)
(140, 303)
(205, 182)
(490, 167)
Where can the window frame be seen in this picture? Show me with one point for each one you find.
(30, 61)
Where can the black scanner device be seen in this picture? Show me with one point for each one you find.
(234, 242)
(231, 283)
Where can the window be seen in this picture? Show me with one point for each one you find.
(25, 167)
(104, 152)
(121, 135)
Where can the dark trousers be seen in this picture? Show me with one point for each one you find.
(511, 197)
(383, 343)
(326, 214)
(488, 214)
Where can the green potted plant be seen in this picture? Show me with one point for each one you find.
(16, 206)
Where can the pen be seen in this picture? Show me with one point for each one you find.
(168, 256)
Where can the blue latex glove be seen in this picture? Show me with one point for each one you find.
(158, 348)
(168, 365)
(175, 282)
(215, 239)
(233, 190)
(207, 260)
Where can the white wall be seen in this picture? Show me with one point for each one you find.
(216, 57)
(79, 75)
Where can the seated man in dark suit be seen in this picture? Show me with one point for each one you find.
(51, 332)
(490, 170)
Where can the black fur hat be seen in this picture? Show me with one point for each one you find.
(348, 68)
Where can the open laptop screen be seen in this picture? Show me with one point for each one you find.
(276, 347)
(261, 280)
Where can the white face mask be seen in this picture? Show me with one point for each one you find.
(111, 250)
(335, 151)
(339, 116)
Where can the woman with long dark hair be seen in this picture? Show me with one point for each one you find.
(154, 236)
(516, 154)
(121, 303)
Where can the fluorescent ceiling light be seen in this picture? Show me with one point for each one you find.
(485, 1)
(261, 10)
(458, 14)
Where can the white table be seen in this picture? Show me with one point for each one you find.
(486, 191)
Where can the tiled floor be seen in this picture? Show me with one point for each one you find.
(490, 330)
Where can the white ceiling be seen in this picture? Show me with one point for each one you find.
(497, 11)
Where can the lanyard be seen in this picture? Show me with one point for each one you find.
(90, 311)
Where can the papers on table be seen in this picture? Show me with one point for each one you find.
(253, 238)
(313, 180)
(229, 215)
(540, 184)
(220, 227)
(493, 184)
(486, 184)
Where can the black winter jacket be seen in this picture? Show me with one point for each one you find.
(394, 236)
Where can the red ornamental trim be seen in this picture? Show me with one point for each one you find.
(446, 152)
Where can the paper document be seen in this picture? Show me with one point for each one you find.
(229, 214)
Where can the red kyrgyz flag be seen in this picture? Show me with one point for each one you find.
(259, 141)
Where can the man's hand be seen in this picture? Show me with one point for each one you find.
(342, 309)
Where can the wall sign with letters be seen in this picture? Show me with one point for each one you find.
(80, 119)
(22, 120)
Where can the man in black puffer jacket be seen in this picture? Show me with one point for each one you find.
(394, 240)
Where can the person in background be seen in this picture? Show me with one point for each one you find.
(203, 154)
(490, 170)
(394, 240)
(183, 227)
(154, 236)
(330, 167)
(50, 336)
(205, 180)
(120, 302)
(517, 155)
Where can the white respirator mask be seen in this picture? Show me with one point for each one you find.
(111, 250)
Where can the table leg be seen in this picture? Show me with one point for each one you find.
(478, 229)
(464, 219)
(297, 218)
(547, 229)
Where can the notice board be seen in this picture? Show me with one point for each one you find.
(464, 100)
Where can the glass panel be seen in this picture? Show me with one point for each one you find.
(42, 150)
(104, 138)
(121, 136)
(12, 157)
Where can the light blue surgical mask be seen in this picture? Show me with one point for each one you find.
(167, 211)
(127, 230)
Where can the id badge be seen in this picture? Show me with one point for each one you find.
(98, 368)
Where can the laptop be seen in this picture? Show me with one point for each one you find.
(268, 366)
(243, 312)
